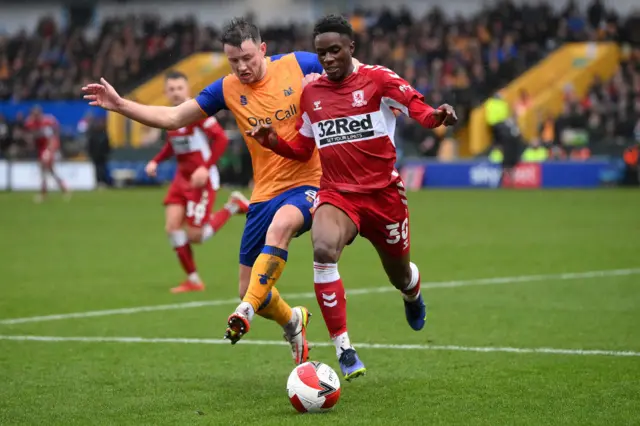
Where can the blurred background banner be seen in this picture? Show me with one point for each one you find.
(551, 83)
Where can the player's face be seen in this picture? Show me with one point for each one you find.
(36, 113)
(335, 54)
(247, 61)
(176, 90)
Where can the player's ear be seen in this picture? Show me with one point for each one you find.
(263, 48)
(352, 46)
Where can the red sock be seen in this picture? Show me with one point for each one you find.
(180, 243)
(219, 218)
(185, 256)
(331, 297)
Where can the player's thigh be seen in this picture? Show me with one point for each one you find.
(293, 216)
(46, 167)
(386, 225)
(173, 217)
(335, 225)
(45, 159)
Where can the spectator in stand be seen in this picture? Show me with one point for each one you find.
(462, 60)
(606, 119)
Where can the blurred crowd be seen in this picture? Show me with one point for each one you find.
(460, 61)
(607, 118)
(53, 63)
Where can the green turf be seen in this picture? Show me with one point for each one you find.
(107, 250)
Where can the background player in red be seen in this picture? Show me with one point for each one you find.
(348, 114)
(192, 194)
(42, 130)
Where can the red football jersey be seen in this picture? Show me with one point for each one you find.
(352, 123)
(44, 130)
(198, 144)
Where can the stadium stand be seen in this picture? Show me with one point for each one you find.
(457, 60)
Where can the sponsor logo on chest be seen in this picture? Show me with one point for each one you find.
(279, 115)
(349, 129)
(181, 144)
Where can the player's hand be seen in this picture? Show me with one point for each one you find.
(264, 134)
(151, 169)
(103, 95)
(199, 177)
(446, 115)
(310, 78)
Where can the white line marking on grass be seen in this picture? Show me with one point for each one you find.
(354, 292)
(177, 340)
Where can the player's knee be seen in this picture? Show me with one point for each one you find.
(324, 252)
(280, 233)
(171, 227)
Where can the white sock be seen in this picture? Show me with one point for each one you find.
(178, 238)
(207, 232)
(245, 309)
(292, 325)
(324, 273)
(415, 277)
(194, 278)
(342, 343)
(232, 207)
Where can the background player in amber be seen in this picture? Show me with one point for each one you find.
(192, 194)
(43, 132)
(260, 89)
(349, 115)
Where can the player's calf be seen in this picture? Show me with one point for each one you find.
(179, 240)
(405, 276)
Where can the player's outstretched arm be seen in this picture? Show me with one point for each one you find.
(105, 96)
(300, 149)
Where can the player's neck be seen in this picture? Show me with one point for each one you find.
(263, 71)
(349, 72)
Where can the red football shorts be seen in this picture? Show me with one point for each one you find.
(197, 202)
(381, 217)
(46, 157)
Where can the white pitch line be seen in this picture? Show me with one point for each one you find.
(556, 351)
(354, 292)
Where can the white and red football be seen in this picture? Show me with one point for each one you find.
(313, 387)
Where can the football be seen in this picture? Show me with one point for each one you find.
(313, 387)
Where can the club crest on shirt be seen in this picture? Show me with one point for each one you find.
(358, 99)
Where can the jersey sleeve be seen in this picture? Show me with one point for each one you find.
(304, 127)
(218, 140)
(165, 153)
(211, 99)
(308, 62)
(300, 149)
(397, 93)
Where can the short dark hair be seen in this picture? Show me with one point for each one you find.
(174, 75)
(333, 24)
(239, 30)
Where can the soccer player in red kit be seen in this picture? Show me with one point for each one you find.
(42, 129)
(348, 114)
(192, 194)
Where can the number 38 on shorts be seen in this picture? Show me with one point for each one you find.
(399, 233)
